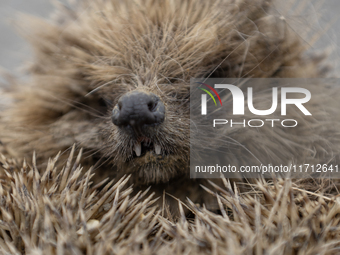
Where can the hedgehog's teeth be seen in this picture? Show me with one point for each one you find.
(157, 149)
(138, 149)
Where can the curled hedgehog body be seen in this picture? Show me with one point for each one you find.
(113, 77)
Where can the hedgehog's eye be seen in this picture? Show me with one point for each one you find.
(218, 73)
(99, 105)
(105, 102)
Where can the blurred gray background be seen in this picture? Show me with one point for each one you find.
(14, 51)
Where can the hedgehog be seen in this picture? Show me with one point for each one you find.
(113, 78)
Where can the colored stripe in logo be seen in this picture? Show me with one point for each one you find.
(213, 90)
(209, 95)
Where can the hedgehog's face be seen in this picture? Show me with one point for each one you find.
(126, 125)
(136, 129)
(145, 131)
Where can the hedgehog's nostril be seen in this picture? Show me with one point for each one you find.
(138, 108)
(152, 106)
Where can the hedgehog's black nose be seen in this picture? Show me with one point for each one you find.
(138, 108)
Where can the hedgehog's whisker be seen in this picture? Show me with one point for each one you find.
(99, 87)
(73, 103)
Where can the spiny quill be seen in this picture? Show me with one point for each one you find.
(59, 212)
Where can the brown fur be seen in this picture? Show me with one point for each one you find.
(91, 55)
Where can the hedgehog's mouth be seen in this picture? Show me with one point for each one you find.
(144, 145)
(152, 160)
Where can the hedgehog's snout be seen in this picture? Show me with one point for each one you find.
(138, 108)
